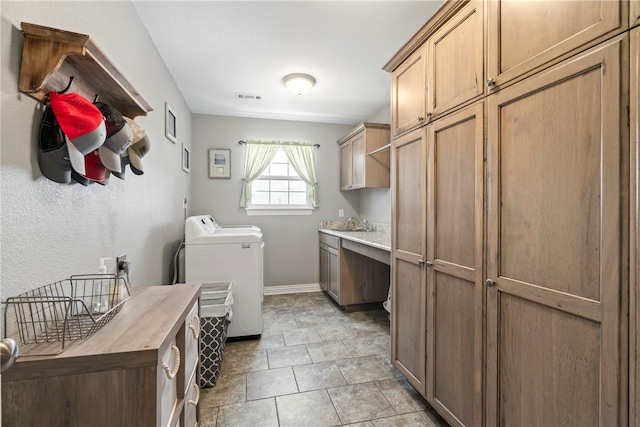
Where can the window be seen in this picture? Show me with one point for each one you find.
(279, 178)
(279, 190)
(279, 184)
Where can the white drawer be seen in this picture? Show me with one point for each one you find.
(191, 339)
(167, 382)
(192, 396)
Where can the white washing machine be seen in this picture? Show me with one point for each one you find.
(228, 254)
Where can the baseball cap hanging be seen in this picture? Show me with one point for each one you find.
(82, 123)
(53, 157)
(118, 139)
(93, 167)
(138, 148)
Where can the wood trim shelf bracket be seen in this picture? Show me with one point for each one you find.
(50, 57)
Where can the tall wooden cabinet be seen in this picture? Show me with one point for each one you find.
(634, 241)
(555, 265)
(531, 194)
(455, 264)
(408, 254)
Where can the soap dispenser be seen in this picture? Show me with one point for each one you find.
(101, 290)
(102, 269)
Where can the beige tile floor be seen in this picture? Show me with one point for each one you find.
(314, 365)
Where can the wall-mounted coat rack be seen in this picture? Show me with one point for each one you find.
(51, 58)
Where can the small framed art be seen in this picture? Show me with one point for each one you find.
(219, 163)
(170, 123)
(186, 158)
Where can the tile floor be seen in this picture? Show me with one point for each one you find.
(314, 365)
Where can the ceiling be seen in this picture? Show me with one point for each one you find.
(217, 49)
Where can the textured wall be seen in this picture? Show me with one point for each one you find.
(50, 231)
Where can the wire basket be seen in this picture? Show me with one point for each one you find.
(45, 318)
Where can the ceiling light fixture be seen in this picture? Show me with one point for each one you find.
(299, 83)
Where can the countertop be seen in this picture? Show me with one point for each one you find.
(376, 239)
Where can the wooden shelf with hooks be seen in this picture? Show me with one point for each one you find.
(50, 57)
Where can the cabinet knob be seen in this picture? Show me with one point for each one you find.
(429, 264)
(9, 351)
(491, 83)
(421, 263)
(429, 116)
(420, 119)
(490, 283)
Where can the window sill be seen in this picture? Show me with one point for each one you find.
(272, 210)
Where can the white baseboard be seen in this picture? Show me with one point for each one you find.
(292, 289)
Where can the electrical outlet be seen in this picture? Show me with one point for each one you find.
(340, 213)
(184, 204)
(122, 265)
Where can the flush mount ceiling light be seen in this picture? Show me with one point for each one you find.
(299, 83)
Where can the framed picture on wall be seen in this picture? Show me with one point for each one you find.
(186, 158)
(170, 123)
(219, 163)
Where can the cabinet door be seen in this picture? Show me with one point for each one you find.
(408, 93)
(634, 346)
(408, 250)
(456, 60)
(333, 287)
(555, 248)
(455, 265)
(524, 35)
(346, 167)
(190, 411)
(358, 157)
(324, 267)
(634, 13)
(191, 339)
(167, 372)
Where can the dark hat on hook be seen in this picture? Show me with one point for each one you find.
(53, 156)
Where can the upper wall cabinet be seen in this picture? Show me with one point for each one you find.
(52, 57)
(455, 68)
(527, 36)
(408, 93)
(364, 159)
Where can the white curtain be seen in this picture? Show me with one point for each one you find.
(256, 160)
(302, 160)
(260, 153)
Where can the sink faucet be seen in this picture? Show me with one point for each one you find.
(361, 223)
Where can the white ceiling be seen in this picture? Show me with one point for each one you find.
(215, 49)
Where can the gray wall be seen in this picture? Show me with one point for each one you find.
(375, 203)
(50, 231)
(291, 242)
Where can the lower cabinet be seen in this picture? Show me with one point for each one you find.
(353, 274)
(140, 369)
(329, 265)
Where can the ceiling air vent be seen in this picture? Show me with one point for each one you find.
(248, 96)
